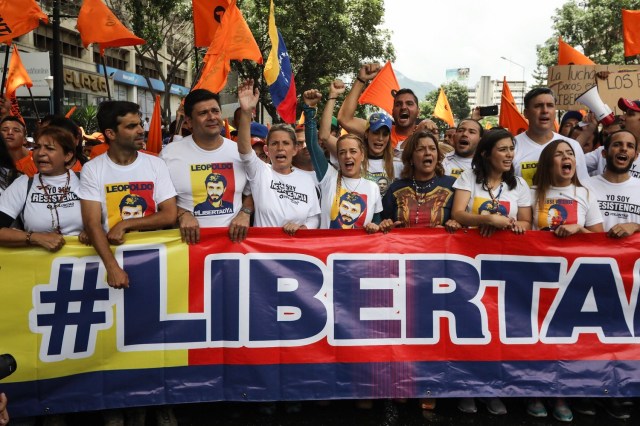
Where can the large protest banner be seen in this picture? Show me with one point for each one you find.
(322, 315)
(568, 82)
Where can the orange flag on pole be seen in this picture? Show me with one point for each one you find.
(207, 16)
(631, 32)
(567, 55)
(443, 110)
(510, 118)
(233, 41)
(154, 138)
(381, 92)
(98, 24)
(70, 112)
(19, 18)
(16, 75)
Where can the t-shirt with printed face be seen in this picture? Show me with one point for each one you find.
(565, 206)
(209, 183)
(126, 192)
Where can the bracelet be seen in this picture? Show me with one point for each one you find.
(332, 99)
(28, 240)
(181, 214)
(361, 80)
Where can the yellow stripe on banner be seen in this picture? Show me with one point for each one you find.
(21, 268)
(272, 67)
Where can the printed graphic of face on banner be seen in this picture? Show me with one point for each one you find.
(485, 206)
(129, 200)
(556, 213)
(213, 187)
(349, 211)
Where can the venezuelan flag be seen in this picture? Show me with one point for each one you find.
(279, 75)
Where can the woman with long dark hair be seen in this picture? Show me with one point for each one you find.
(489, 195)
(8, 171)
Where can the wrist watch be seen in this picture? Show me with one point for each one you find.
(247, 210)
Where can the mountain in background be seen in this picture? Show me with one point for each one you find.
(420, 88)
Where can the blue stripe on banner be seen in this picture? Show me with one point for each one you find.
(280, 87)
(127, 388)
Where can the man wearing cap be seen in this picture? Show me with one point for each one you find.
(569, 120)
(465, 140)
(540, 110)
(14, 133)
(405, 109)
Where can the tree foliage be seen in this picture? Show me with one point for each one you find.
(458, 98)
(593, 25)
(324, 39)
(166, 26)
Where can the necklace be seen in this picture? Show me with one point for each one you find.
(421, 194)
(53, 200)
(494, 207)
(344, 182)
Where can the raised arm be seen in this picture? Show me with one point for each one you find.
(347, 114)
(248, 99)
(320, 164)
(336, 89)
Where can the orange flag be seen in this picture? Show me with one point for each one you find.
(70, 112)
(567, 55)
(443, 110)
(207, 15)
(16, 75)
(382, 90)
(98, 24)
(510, 118)
(18, 18)
(232, 41)
(154, 138)
(631, 32)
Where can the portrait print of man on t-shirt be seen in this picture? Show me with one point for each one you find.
(216, 187)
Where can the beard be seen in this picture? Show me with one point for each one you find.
(618, 170)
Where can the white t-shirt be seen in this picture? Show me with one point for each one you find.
(618, 202)
(190, 166)
(565, 206)
(359, 200)
(40, 208)
(281, 199)
(377, 174)
(480, 200)
(596, 163)
(126, 192)
(454, 165)
(525, 159)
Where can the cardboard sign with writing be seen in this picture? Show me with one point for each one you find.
(568, 82)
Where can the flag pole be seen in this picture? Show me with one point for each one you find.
(5, 68)
(106, 78)
(33, 101)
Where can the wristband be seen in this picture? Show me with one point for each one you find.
(332, 99)
(28, 239)
(181, 214)
(361, 80)
(247, 210)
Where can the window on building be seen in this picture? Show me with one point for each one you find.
(75, 98)
(114, 58)
(146, 67)
(71, 41)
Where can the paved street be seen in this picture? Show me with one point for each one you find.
(344, 413)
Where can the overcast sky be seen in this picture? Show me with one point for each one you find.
(433, 36)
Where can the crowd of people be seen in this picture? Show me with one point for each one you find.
(374, 174)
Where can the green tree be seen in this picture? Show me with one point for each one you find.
(325, 39)
(594, 25)
(166, 26)
(458, 98)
